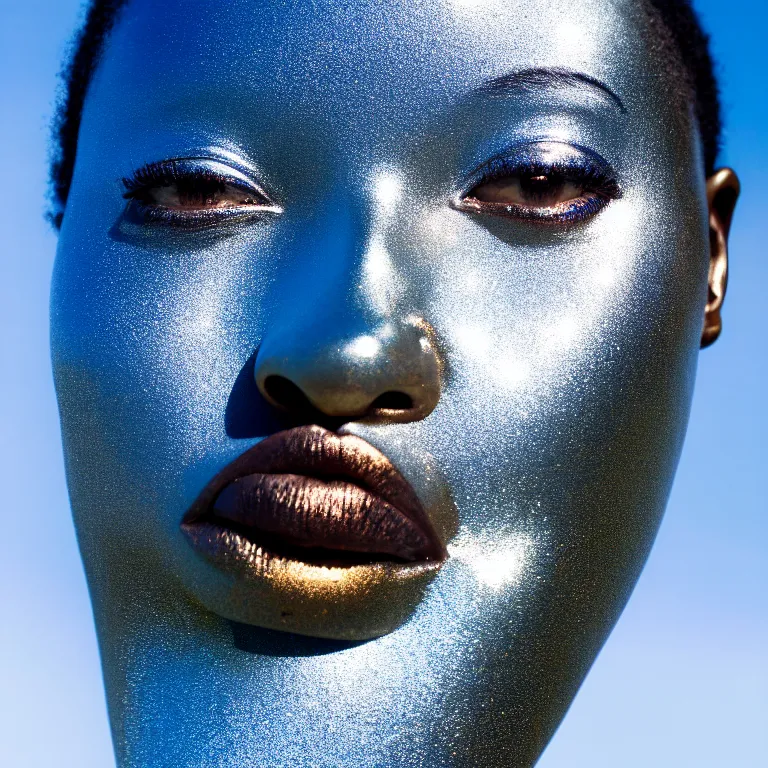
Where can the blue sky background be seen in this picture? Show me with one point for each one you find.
(683, 680)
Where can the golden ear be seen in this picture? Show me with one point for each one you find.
(722, 192)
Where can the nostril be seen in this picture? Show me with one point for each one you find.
(392, 401)
(286, 394)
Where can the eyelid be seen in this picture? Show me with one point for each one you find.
(167, 171)
(554, 154)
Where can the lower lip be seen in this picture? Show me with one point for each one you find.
(230, 550)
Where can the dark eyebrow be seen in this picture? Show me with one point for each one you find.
(534, 79)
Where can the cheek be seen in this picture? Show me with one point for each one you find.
(565, 351)
(147, 343)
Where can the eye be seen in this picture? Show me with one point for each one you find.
(194, 193)
(549, 183)
(536, 190)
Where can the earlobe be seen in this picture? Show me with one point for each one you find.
(722, 192)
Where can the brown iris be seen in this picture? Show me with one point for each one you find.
(531, 191)
(196, 193)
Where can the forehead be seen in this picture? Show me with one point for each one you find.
(391, 62)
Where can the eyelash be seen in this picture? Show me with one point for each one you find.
(194, 179)
(596, 180)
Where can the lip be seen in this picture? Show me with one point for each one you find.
(309, 496)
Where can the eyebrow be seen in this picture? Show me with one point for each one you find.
(541, 78)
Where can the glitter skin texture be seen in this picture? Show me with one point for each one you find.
(566, 356)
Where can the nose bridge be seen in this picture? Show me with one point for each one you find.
(325, 257)
(339, 264)
(382, 286)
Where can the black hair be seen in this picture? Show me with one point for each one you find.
(679, 36)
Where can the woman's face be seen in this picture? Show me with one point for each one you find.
(494, 210)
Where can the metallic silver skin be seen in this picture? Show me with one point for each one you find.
(567, 359)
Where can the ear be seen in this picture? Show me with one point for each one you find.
(722, 192)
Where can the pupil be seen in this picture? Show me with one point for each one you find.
(539, 188)
(199, 191)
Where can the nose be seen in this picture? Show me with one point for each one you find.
(387, 374)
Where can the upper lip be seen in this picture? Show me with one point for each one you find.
(318, 492)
